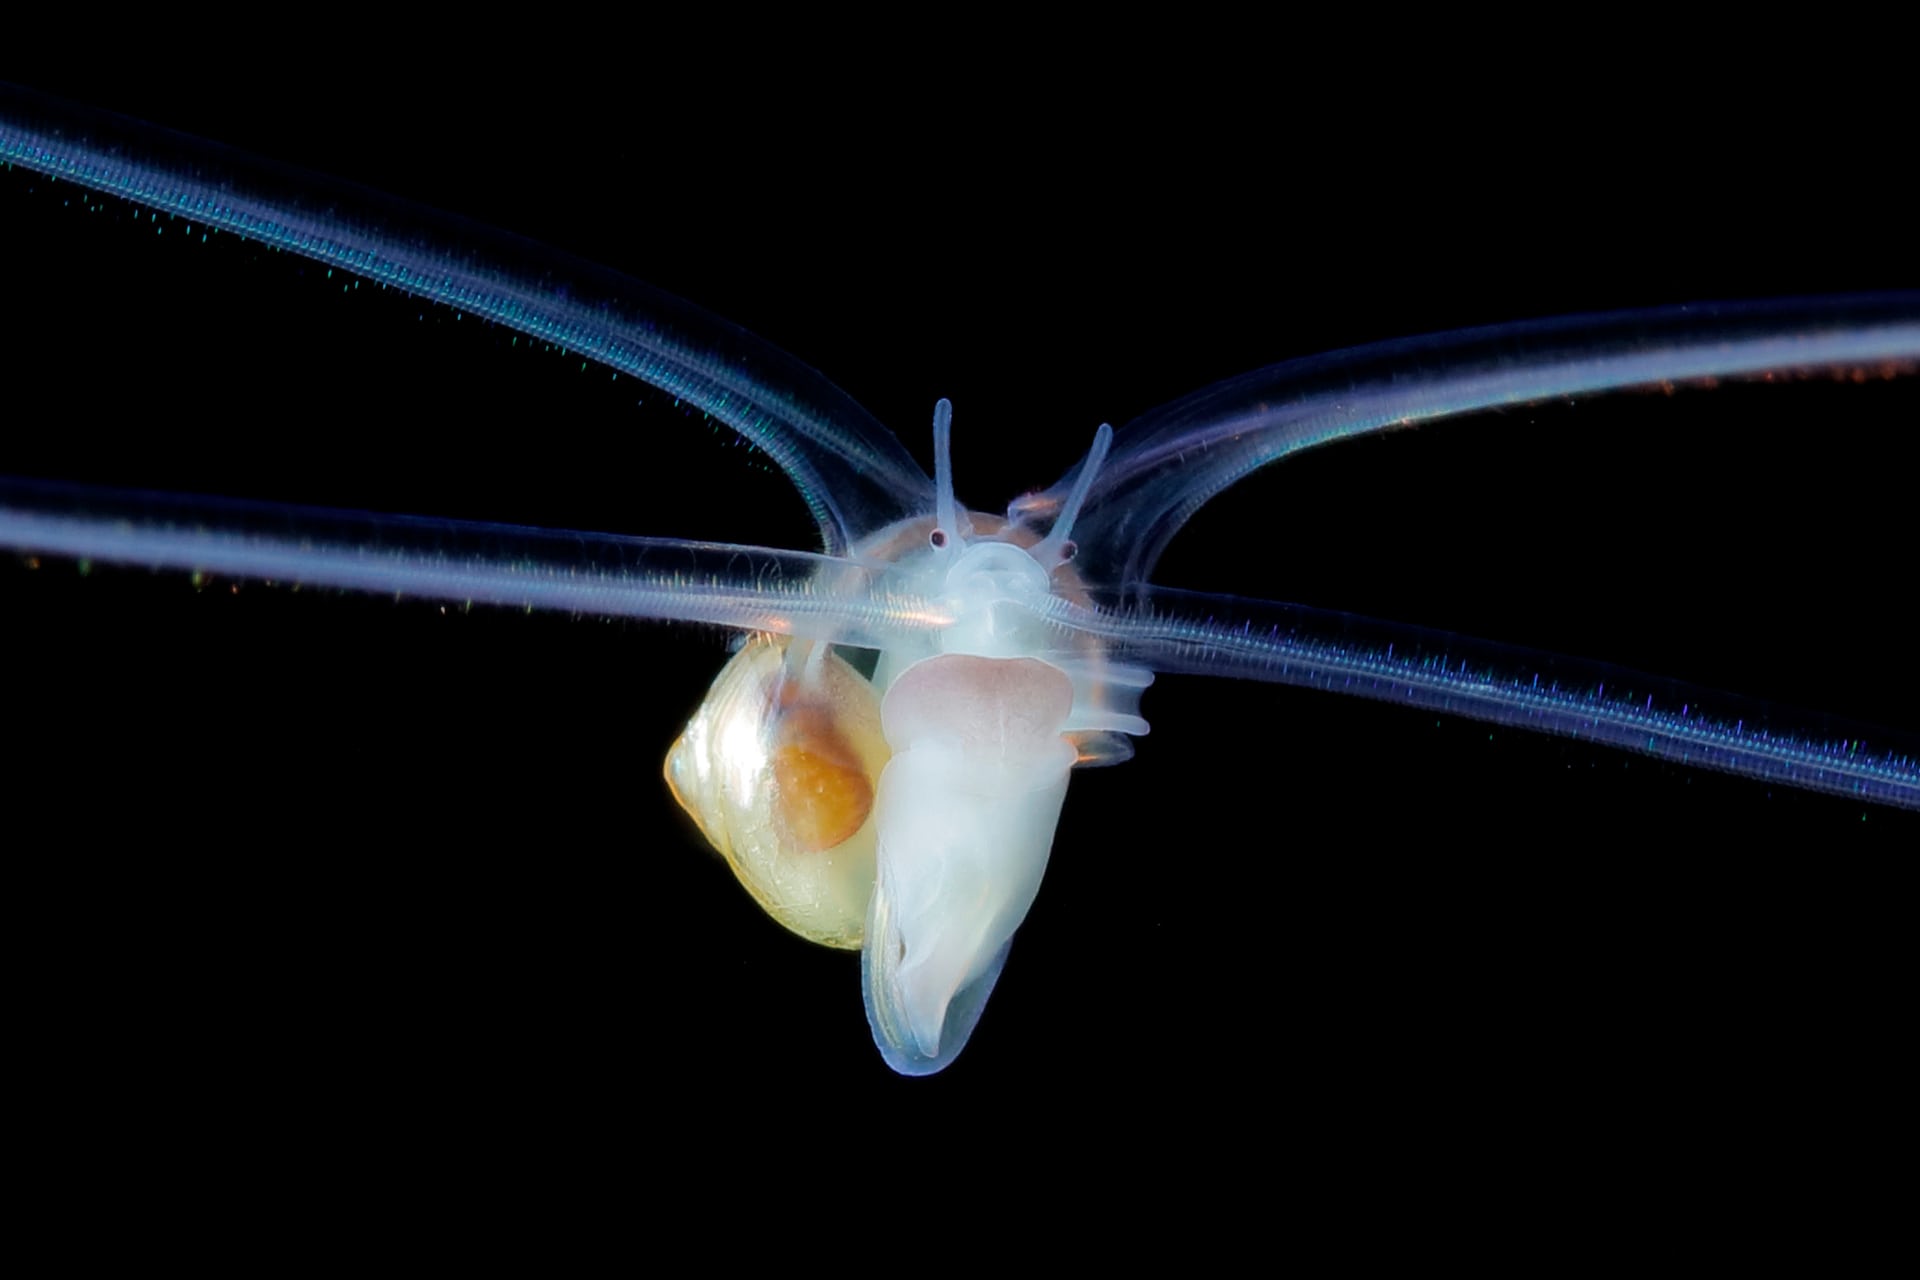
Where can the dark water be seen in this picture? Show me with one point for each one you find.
(325, 860)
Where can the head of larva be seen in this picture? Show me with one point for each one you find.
(994, 580)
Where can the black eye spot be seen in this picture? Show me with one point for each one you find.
(938, 537)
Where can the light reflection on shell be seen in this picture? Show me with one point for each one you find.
(778, 768)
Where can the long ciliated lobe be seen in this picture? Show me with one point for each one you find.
(884, 760)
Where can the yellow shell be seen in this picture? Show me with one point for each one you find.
(778, 768)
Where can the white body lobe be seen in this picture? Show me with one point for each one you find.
(966, 812)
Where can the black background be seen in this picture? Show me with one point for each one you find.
(324, 862)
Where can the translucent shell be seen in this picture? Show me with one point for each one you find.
(778, 768)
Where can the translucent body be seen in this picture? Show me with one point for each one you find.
(1165, 645)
